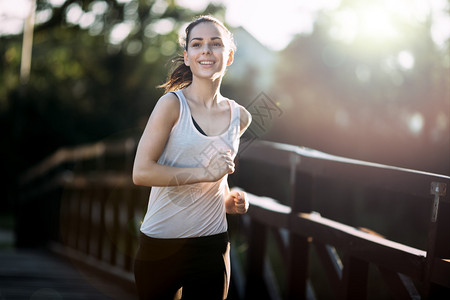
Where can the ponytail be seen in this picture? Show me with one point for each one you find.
(180, 77)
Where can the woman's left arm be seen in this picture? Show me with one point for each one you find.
(236, 201)
(246, 119)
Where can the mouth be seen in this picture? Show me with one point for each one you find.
(206, 62)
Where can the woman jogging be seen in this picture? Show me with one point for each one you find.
(185, 154)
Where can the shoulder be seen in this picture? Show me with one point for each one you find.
(244, 115)
(246, 118)
(168, 108)
(169, 103)
(169, 100)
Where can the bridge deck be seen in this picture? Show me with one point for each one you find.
(39, 274)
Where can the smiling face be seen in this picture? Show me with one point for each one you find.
(208, 51)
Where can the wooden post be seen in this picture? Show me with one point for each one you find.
(64, 224)
(438, 190)
(128, 199)
(298, 251)
(75, 217)
(101, 223)
(115, 228)
(129, 230)
(89, 223)
(100, 198)
(298, 254)
(354, 278)
(255, 287)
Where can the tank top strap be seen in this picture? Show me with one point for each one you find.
(183, 117)
(181, 98)
(236, 112)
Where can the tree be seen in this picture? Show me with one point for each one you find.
(94, 72)
(384, 100)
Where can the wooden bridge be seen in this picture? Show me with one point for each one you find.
(319, 226)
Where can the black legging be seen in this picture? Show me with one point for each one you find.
(199, 265)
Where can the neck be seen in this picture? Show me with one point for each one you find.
(204, 91)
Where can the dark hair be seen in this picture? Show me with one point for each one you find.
(181, 76)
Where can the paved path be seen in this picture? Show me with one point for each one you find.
(38, 274)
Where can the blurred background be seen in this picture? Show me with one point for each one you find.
(368, 80)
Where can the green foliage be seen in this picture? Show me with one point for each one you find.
(89, 80)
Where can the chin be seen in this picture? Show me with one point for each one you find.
(211, 77)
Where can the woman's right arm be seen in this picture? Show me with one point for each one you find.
(146, 170)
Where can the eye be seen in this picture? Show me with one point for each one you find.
(217, 44)
(195, 45)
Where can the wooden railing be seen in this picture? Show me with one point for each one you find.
(286, 231)
(82, 203)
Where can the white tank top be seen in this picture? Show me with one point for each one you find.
(198, 209)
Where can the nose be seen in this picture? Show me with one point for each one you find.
(206, 48)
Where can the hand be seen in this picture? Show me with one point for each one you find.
(220, 164)
(236, 202)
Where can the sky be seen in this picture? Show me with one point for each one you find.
(274, 25)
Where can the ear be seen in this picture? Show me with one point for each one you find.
(186, 58)
(230, 57)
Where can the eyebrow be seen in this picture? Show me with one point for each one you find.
(201, 39)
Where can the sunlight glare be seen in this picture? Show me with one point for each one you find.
(9, 8)
(86, 20)
(379, 21)
(99, 7)
(416, 123)
(368, 23)
(162, 26)
(12, 19)
(405, 60)
(321, 4)
(56, 3)
(43, 16)
(376, 23)
(120, 32)
(440, 29)
(411, 10)
(346, 26)
(197, 5)
(273, 25)
(74, 13)
(159, 7)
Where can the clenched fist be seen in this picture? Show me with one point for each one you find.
(236, 202)
(220, 164)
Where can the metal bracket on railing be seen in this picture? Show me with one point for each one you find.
(438, 189)
(294, 160)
